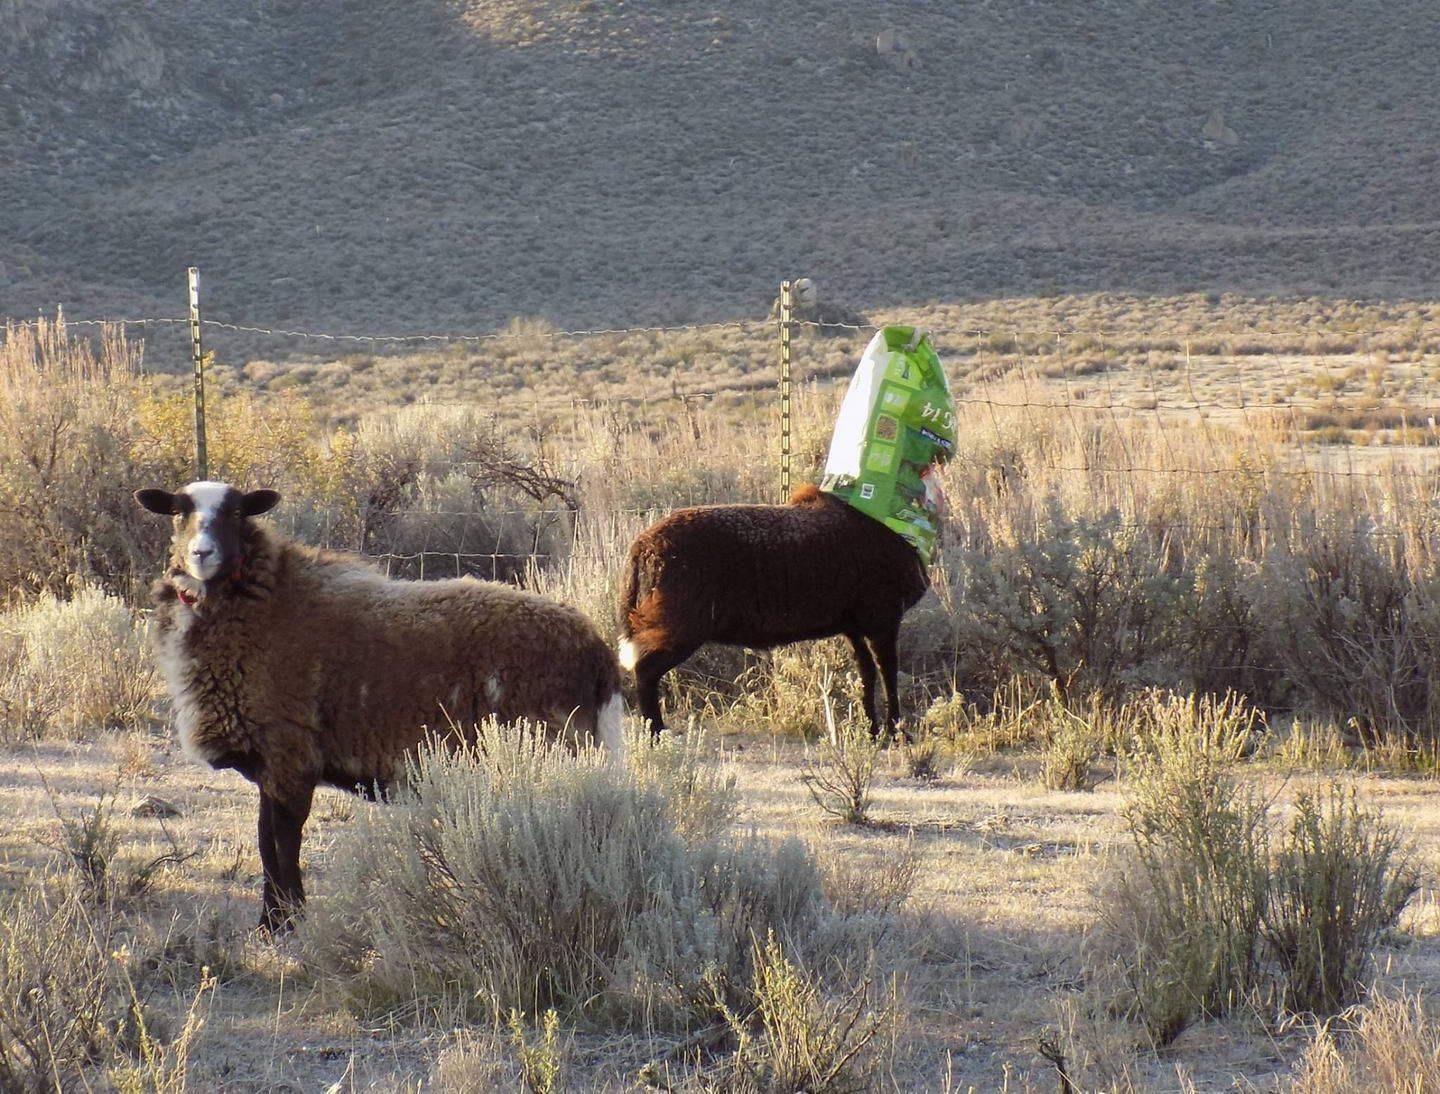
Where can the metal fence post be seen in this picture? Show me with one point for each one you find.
(197, 357)
(786, 306)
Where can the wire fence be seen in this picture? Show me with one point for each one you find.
(1361, 419)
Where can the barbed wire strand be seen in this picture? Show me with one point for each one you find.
(1037, 339)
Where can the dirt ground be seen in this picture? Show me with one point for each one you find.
(1008, 883)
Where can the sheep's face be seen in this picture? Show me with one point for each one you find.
(209, 521)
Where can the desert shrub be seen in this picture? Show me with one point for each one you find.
(872, 889)
(924, 759)
(517, 874)
(798, 1038)
(474, 1063)
(839, 770)
(1356, 633)
(76, 665)
(1390, 1043)
(62, 998)
(1187, 913)
(946, 716)
(70, 454)
(91, 845)
(1339, 877)
(1009, 720)
(1090, 604)
(1221, 909)
(701, 795)
(1312, 745)
(1074, 745)
(789, 688)
(513, 1054)
(69, 1007)
(1208, 731)
(1220, 646)
(540, 1054)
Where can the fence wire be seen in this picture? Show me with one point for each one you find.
(1003, 360)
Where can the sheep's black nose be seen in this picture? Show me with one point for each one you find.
(200, 554)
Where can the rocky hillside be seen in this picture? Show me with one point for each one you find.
(343, 163)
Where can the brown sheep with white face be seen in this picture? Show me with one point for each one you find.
(297, 667)
(766, 575)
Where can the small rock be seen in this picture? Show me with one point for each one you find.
(151, 806)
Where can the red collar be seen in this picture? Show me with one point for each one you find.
(235, 576)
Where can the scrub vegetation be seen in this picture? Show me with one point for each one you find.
(1165, 803)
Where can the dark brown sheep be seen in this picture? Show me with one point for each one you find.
(764, 576)
(297, 667)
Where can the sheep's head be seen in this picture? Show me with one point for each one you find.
(209, 524)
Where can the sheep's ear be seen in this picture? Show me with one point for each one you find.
(259, 501)
(158, 501)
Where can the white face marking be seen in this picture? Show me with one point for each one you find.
(493, 691)
(202, 554)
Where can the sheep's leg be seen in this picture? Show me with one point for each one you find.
(885, 647)
(270, 917)
(651, 666)
(284, 888)
(866, 664)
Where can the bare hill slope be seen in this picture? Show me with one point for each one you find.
(343, 162)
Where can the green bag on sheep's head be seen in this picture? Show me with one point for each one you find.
(896, 424)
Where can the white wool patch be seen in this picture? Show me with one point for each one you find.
(178, 669)
(493, 690)
(628, 655)
(208, 498)
(611, 727)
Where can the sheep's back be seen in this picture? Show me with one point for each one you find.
(761, 575)
(403, 655)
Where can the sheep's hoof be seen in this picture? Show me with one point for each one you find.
(277, 921)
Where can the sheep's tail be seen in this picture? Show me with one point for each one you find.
(610, 726)
(609, 706)
(629, 597)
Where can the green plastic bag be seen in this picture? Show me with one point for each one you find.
(896, 424)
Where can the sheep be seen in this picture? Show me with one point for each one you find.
(764, 576)
(298, 667)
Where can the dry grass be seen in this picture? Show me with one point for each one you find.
(1391, 1043)
(1083, 619)
(998, 872)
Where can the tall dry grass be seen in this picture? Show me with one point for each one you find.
(1100, 554)
(1390, 1043)
(1094, 551)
